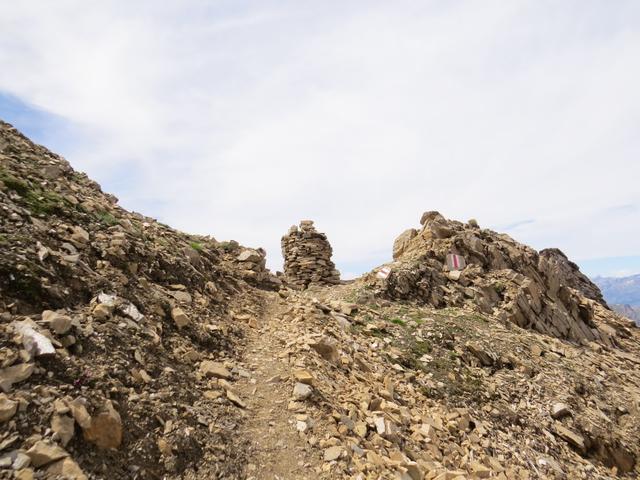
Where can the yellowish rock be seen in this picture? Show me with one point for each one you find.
(43, 452)
(66, 468)
(180, 317)
(105, 430)
(8, 408)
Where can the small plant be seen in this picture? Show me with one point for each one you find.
(40, 202)
(399, 321)
(12, 183)
(227, 246)
(43, 203)
(421, 347)
(196, 246)
(106, 218)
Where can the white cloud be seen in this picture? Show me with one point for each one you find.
(239, 119)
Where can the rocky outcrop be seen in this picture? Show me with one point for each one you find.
(307, 257)
(542, 291)
(556, 266)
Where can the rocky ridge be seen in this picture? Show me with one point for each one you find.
(541, 291)
(106, 320)
(131, 350)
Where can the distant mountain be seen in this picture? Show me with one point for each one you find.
(620, 291)
(628, 311)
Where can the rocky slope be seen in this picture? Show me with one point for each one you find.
(131, 350)
(110, 326)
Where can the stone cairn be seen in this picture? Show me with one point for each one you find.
(307, 257)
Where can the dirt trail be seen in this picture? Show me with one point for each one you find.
(276, 452)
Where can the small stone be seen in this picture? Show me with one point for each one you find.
(303, 376)
(66, 468)
(235, 399)
(42, 453)
(64, 426)
(24, 474)
(80, 414)
(21, 461)
(105, 430)
(79, 236)
(102, 311)
(326, 349)
(60, 406)
(454, 275)
(536, 351)
(15, 374)
(179, 317)
(212, 394)
(302, 391)
(209, 369)
(8, 408)
(559, 410)
(333, 453)
(34, 342)
(249, 255)
(6, 460)
(60, 324)
(571, 437)
(182, 297)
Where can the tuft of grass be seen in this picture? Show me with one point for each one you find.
(228, 246)
(40, 202)
(421, 347)
(196, 246)
(106, 218)
(44, 202)
(399, 321)
(12, 183)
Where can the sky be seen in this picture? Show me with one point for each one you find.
(238, 119)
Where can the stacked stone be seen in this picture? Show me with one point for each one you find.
(307, 257)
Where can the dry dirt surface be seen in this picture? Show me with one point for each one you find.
(275, 450)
